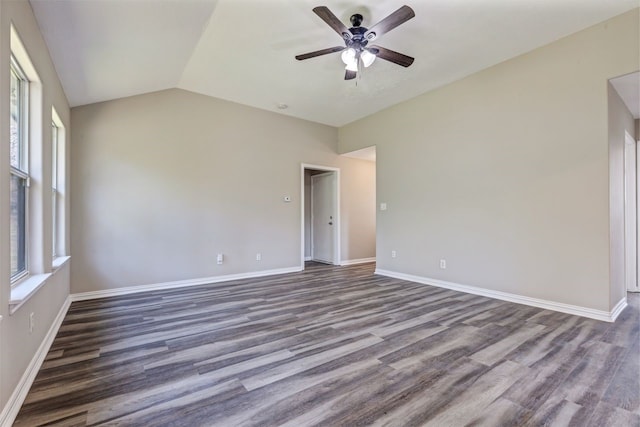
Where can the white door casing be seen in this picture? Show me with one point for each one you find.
(631, 213)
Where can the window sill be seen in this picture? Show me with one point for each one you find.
(59, 262)
(25, 289)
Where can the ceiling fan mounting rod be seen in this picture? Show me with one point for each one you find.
(356, 19)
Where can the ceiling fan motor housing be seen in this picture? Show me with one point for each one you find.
(358, 40)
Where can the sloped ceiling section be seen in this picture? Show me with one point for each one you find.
(243, 50)
(628, 87)
(109, 49)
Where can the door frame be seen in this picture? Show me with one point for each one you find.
(336, 195)
(313, 212)
(630, 214)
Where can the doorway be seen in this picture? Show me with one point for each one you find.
(624, 115)
(320, 212)
(630, 214)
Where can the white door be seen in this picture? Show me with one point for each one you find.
(323, 217)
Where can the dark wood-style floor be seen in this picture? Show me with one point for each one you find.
(334, 346)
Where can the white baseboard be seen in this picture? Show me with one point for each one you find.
(308, 258)
(357, 261)
(11, 409)
(82, 296)
(519, 299)
(619, 307)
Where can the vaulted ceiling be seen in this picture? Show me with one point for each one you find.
(243, 50)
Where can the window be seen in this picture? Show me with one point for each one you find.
(58, 213)
(28, 201)
(54, 187)
(19, 171)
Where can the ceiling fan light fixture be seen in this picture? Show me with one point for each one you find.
(367, 58)
(352, 66)
(348, 56)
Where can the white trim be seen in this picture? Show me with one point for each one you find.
(82, 296)
(12, 407)
(505, 296)
(332, 260)
(59, 262)
(24, 290)
(357, 261)
(630, 214)
(338, 232)
(619, 307)
(20, 52)
(302, 218)
(307, 258)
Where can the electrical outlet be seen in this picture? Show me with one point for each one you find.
(443, 264)
(32, 322)
(383, 206)
(220, 259)
(393, 254)
(258, 257)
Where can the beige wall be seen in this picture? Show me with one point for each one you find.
(17, 345)
(358, 216)
(620, 121)
(505, 174)
(165, 181)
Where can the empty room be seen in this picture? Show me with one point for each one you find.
(300, 213)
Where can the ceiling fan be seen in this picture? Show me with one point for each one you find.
(356, 39)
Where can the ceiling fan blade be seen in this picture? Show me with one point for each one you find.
(327, 16)
(320, 52)
(391, 55)
(398, 17)
(350, 75)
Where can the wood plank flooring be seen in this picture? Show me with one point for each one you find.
(334, 346)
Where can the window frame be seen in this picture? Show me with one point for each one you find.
(55, 135)
(21, 171)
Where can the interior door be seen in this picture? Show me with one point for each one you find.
(323, 217)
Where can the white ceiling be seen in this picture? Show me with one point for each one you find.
(628, 87)
(243, 50)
